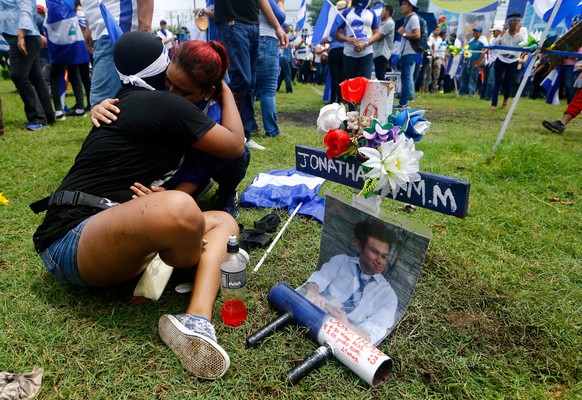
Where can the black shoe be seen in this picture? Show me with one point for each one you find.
(554, 126)
(228, 204)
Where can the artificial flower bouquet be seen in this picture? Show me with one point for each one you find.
(388, 146)
(532, 42)
(454, 50)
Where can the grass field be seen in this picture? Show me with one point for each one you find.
(497, 312)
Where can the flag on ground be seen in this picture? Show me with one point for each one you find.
(301, 16)
(552, 85)
(285, 189)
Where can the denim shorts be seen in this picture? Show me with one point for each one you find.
(61, 256)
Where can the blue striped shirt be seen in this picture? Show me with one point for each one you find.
(18, 14)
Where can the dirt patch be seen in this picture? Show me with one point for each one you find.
(303, 118)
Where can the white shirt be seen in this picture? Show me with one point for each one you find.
(507, 56)
(168, 35)
(124, 12)
(338, 279)
(362, 28)
(434, 44)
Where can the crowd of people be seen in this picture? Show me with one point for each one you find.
(172, 116)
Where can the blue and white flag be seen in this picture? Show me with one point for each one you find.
(454, 66)
(66, 44)
(326, 23)
(113, 29)
(377, 10)
(301, 16)
(285, 189)
(552, 85)
(567, 11)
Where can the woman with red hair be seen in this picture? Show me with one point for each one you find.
(196, 73)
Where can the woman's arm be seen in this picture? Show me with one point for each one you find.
(226, 140)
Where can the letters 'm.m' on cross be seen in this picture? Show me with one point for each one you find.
(439, 193)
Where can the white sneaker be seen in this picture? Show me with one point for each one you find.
(251, 144)
(193, 340)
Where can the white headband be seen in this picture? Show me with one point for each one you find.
(155, 68)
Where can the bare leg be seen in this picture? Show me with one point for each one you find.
(219, 226)
(130, 234)
(566, 118)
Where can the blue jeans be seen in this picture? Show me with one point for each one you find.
(285, 74)
(105, 81)
(266, 82)
(488, 82)
(469, 77)
(568, 74)
(61, 256)
(242, 45)
(407, 65)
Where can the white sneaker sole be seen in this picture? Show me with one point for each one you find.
(201, 356)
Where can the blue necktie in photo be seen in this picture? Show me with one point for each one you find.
(350, 304)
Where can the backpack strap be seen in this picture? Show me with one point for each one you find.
(69, 198)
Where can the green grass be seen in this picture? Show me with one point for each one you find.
(496, 313)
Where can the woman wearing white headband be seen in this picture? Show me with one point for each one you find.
(507, 60)
(94, 236)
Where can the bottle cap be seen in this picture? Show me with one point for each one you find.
(232, 245)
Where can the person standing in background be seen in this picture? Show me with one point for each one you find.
(18, 26)
(131, 15)
(285, 62)
(268, 70)
(167, 37)
(237, 24)
(44, 54)
(361, 33)
(67, 50)
(383, 47)
(303, 57)
(470, 71)
(507, 61)
(336, 61)
(489, 70)
(435, 44)
(84, 69)
(410, 30)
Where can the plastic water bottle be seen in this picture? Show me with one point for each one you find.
(233, 287)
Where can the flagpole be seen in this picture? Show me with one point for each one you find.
(277, 237)
(526, 77)
(342, 17)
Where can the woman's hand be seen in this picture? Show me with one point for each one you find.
(104, 112)
(141, 190)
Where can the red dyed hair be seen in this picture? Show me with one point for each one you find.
(205, 63)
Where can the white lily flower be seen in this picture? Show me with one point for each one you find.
(330, 117)
(395, 165)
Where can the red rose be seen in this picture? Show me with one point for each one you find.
(338, 142)
(353, 90)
